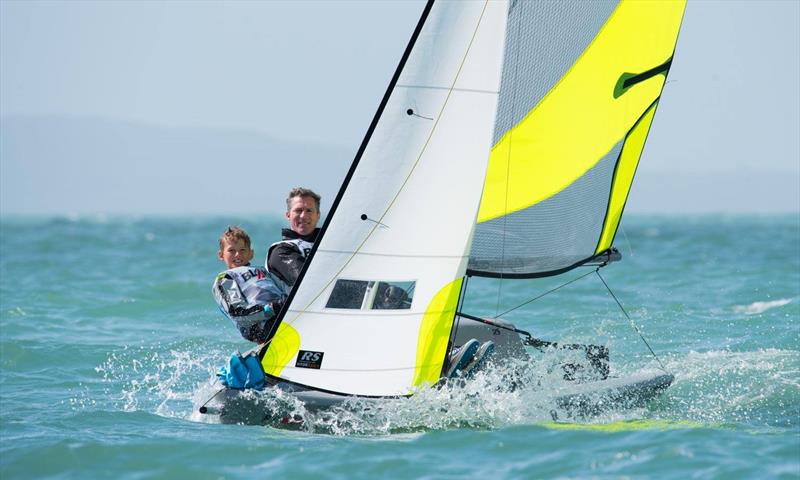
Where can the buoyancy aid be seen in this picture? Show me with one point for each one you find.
(243, 292)
(290, 257)
(302, 246)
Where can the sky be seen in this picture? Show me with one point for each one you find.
(311, 73)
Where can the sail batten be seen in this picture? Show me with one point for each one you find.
(392, 254)
(468, 90)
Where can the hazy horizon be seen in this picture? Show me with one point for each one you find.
(134, 108)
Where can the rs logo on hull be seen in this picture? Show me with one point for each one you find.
(309, 359)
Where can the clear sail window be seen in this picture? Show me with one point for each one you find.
(348, 294)
(371, 295)
(393, 296)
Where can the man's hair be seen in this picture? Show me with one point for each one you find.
(233, 233)
(302, 192)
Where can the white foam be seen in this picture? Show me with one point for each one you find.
(712, 386)
(760, 307)
(723, 386)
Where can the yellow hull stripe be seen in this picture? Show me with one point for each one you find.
(282, 348)
(628, 160)
(434, 334)
(626, 425)
(579, 121)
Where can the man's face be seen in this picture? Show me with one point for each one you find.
(235, 254)
(303, 215)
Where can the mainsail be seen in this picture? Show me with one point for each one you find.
(373, 310)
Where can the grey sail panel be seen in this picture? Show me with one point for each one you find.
(567, 226)
(543, 40)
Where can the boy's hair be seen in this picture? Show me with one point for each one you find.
(302, 192)
(232, 234)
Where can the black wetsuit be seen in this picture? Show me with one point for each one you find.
(286, 258)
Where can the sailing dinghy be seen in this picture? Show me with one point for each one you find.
(504, 147)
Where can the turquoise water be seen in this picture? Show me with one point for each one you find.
(110, 340)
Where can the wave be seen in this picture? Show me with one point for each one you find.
(756, 308)
(759, 387)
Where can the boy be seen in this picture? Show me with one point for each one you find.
(249, 296)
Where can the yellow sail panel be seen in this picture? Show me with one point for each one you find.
(434, 334)
(579, 121)
(628, 160)
(282, 348)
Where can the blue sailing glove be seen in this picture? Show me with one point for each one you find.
(242, 372)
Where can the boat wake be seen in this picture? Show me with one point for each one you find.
(759, 388)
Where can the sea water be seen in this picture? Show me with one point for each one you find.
(110, 340)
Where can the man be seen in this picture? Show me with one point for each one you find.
(286, 258)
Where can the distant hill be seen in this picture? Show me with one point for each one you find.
(63, 165)
(744, 190)
(60, 164)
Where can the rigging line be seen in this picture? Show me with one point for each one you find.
(413, 167)
(633, 324)
(203, 406)
(625, 234)
(546, 293)
(515, 77)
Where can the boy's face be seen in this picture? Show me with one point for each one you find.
(235, 253)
